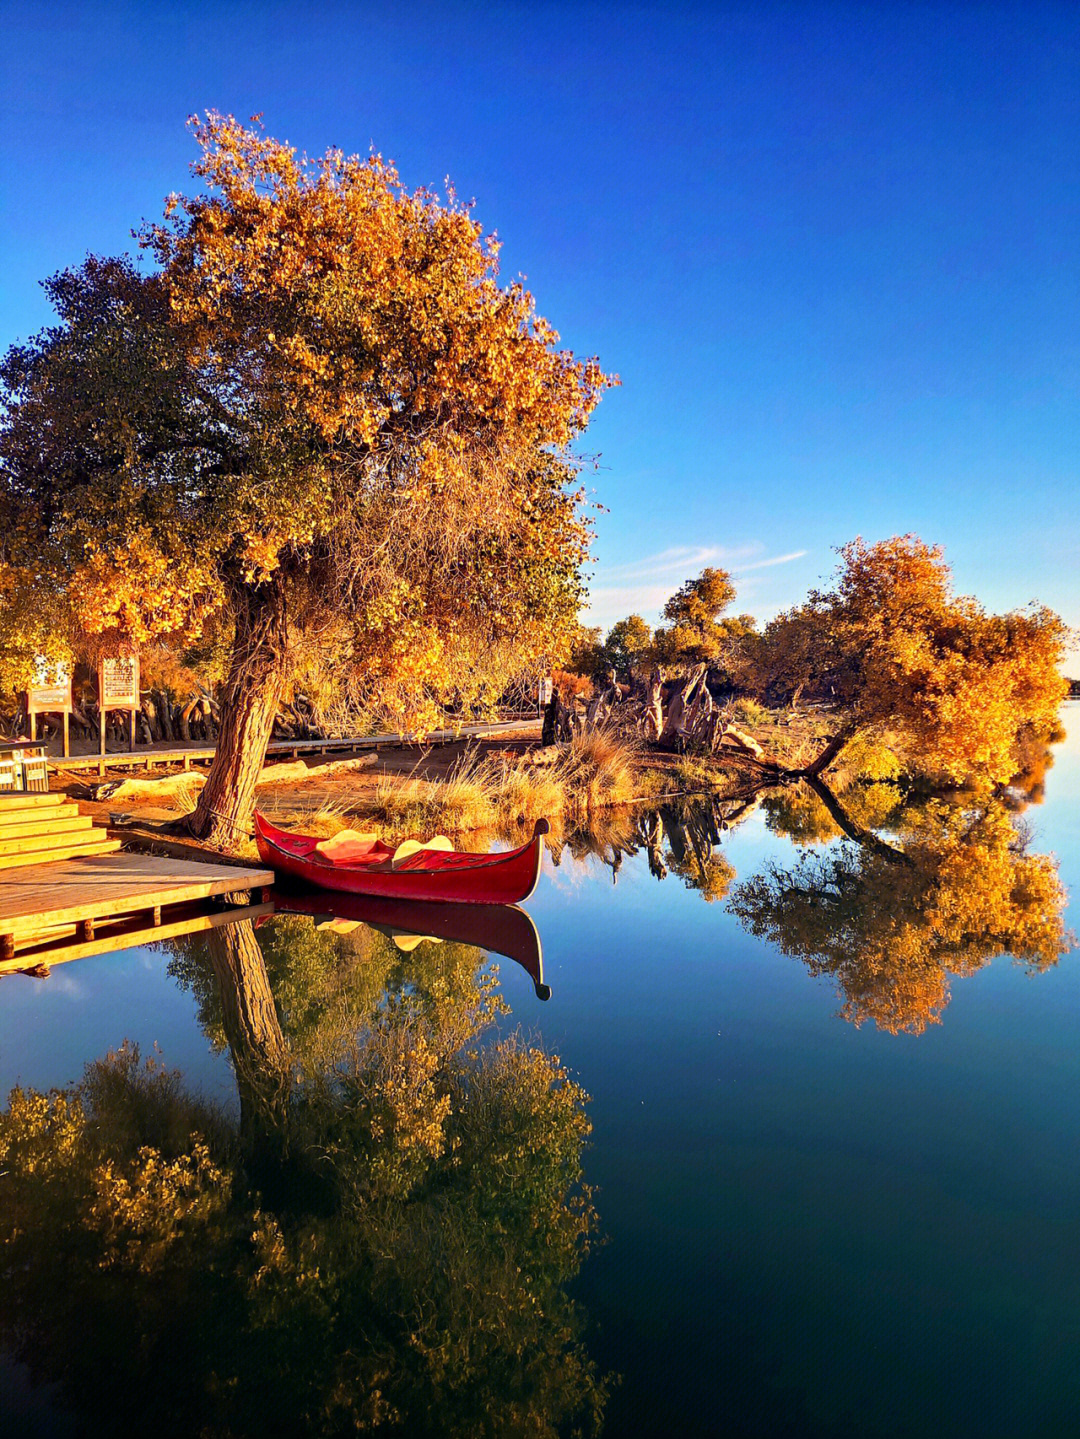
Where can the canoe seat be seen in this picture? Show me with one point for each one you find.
(409, 847)
(347, 846)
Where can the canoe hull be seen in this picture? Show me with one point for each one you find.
(455, 878)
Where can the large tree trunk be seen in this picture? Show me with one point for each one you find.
(818, 766)
(259, 1052)
(549, 734)
(654, 705)
(249, 703)
(672, 734)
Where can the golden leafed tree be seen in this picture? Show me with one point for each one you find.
(321, 417)
(628, 645)
(954, 688)
(695, 633)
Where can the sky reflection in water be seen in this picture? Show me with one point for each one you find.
(813, 1228)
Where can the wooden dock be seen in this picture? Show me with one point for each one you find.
(83, 906)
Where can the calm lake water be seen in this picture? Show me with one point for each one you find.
(807, 1225)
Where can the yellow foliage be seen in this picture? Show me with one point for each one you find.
(323, 418)
(141, 1208)
(892, 927)
(953, 687)
(33, 623)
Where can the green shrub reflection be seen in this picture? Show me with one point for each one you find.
(382, 1243)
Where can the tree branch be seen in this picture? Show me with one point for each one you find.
(866, 837)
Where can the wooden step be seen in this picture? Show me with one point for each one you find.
(63, 833)
(45, 822)
(97, 842)
(11, 813)
(15, 799)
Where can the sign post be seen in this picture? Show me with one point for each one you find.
(49, 693)
(118, 689)
(545, 691)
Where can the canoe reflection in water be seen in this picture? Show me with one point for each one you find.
(498, 928)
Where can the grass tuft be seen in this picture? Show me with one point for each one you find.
(749, 711)
(497, 794)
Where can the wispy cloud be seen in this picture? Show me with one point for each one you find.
(619, 600)
(767, 564)
(680, 559)
(643, 586)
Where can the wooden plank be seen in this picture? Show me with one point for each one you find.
(130, 938)
(39, 837)
(100, 885)
(14, 800)
(96, 843)
(38, 814)
(124, 760)
(27, 823)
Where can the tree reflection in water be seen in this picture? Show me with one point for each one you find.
(383, 1242)
(892, 932)
(891, 898)
(384, 1239)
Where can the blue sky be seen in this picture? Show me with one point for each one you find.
(832, 251)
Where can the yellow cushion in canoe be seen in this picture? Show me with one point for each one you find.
(414, 846)
(347, 844)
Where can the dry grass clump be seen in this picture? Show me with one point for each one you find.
(527, 794)
(402, 808)
(597, 769)
(185, 796)
(464, 800)
(324, 819)
(749, 711)
(497, 794)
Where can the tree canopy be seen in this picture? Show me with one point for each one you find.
(321, 416)
(628, 645)
(954, 688)
(694, 633)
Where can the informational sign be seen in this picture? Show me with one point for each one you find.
(546, 691)
(49, 692)
(50, 688)
(118, 683)
(118, 689)
(49, 699)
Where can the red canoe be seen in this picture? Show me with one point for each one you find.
(428, 874)
(499, 929)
